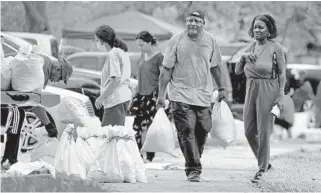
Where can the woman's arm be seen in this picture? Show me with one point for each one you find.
(280, 59)
(115, 75)
(239, 68)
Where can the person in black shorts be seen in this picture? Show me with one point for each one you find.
(12, 118)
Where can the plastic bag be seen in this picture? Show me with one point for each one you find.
(46, 147)
(96, 174)
(6, 73)
(129, 121)
(239, 132)
(66, 158)
(108, 161)
(223, 125)
(301, 124)
(160, 131)
(140, 170)
(126, 161)
(22, 169)
(288, 110)
(27, 73)
(85, 154)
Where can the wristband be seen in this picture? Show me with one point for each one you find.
(221, 89)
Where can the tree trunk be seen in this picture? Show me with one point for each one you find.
(36, 12)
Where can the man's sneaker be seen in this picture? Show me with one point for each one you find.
(194, 177)
(146, 161)
(257, 176)
(5, 165)
(52, 130)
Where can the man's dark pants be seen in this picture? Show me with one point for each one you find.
(193, 123)
(14, 123)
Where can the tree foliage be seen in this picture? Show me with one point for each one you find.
(295, 20)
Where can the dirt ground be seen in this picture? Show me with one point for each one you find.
(294, 172)
(224, 170)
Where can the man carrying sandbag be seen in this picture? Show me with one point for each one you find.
(191, 59)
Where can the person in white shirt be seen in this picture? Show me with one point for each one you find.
(115, 93)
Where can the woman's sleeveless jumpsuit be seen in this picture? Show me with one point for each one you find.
(262, 90)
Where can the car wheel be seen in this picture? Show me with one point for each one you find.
(28, 136)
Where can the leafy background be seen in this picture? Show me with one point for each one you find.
(298, 22)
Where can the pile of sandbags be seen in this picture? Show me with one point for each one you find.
(102, 154)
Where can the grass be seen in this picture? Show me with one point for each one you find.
(46, 183)
(294, 172)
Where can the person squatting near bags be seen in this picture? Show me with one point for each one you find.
(24, 62)
(31, 71)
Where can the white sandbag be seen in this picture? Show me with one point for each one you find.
(239, 132)
(95, 144)
(126, 161)
(6, 73)
(91, 122)
(77, 113)
(27, 73)
(22, 169)
(140, 170)
(66, 158)
(129, 164)
(85, 154)
(129, 121)
(96, 174)
(223, 125)
(160, 131)
(108, 161)
(301, 123)
(46, 147)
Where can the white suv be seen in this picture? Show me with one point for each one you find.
(60, 115)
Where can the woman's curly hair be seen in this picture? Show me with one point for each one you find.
(269, 22)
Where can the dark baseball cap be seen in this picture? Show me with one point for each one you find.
(66, 68)
(197, 13)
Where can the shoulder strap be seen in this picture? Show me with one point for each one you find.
(275, 68)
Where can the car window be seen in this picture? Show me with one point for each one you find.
(9, 50)
(90, 63)
(32, 41)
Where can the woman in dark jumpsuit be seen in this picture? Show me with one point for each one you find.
(264, 68)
